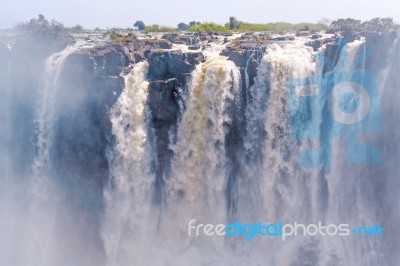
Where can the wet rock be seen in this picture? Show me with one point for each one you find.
(316, 36)
(284, 38)
(316, 44)
(170, 64)
(194, 47)
(302, 33)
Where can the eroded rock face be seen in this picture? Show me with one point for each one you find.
(92, 83)
(317, 42)
(246, 52)
(170, 64)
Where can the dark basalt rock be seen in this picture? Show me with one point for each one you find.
(163, 99)
(169, 64)
(194, 47)
(246, 52)
(109, 60)
(318, 43)
(163, 102)
(302, 33)
(284, 38)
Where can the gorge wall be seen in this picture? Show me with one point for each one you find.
(108, 150)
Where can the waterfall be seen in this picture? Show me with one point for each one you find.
(47, 112)
(129, 220)
(274, 185)
(305, 142)
(5, 88)
(40, 245)
(283, 190)
(389, 145)
(132, 232)
(196, 187)
(349, 197)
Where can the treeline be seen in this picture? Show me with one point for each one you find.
(340, 25)
(233, 24)
(241, 26)
(351, 26)
(41, 27)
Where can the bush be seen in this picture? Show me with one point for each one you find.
(183, 26)
(193, 23)
(233, 23)
(345, 26)
(75, 29)
(158, 28)
(349, 26)
(115, 36)
(42, 28)
(208, 27)
(382, 25)
(280, 26)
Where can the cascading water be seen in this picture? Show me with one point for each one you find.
(349, 198)
(40, 226)
(196, 187)
(286, 192)
(129, 220)
(389, 145)
(272, 187)
(273, 184)
(244, 156)
(46, 117)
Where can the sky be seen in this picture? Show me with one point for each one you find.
(123, 13)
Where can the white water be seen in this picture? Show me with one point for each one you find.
(133, 233)
(136, 231)
(40, 247)
(197, 184)
(130, 224)
(274, 185)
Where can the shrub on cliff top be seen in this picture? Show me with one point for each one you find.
(351, 26)
(208, 27)
(158, 28)
(42, 28)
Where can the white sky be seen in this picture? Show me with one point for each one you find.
(123, 13)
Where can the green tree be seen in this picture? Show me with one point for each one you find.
(233, 23)
(193, 23)
(139, 24)
(325, 21)
(347, 26)
(382, 25)
(183, 26)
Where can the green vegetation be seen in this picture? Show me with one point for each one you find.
(40, 27)
(236, 25)
(208, 27)
(280, 26)
(350, 26)
(75, 29)
(140, 25)
(242, 26)
(158, 28)
(117, 37)
(193, 23)
(233, 23)
(183, 26)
